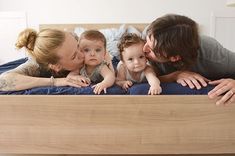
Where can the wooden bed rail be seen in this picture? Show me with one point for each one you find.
(78, 124)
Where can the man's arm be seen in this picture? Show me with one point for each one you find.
(185, 78)
(224, 92)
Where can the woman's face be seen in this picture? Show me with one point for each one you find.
(149, 52)
(70, 57)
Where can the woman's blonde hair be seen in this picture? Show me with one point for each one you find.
(42, 45)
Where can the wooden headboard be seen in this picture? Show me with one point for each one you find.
(114, 124)
(71, 27)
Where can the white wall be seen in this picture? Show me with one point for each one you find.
(11, 24)
(113, 11)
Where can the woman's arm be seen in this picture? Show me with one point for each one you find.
(13, 82)
(26, 76)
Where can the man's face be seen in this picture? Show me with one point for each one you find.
(149, 50)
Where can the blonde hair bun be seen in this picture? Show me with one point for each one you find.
(27, 39)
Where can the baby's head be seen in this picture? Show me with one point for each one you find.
(93, 44)
(93, 35)
(129, 40)
(131, 52)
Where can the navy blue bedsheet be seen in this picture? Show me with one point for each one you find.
(137, 89)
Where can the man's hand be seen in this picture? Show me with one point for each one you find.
(224, 91)
(191, 79)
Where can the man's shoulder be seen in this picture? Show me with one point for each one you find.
(208, 41)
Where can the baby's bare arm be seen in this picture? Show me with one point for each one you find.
(153, 81)
(109, 79)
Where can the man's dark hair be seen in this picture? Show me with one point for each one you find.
(175, 35)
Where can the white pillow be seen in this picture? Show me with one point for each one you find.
(133, 30)
(113, 36)
(79, 31)
(144, 32)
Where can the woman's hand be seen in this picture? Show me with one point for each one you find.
(191, 79)
(79, 80)
(225, 88)
(72, 80)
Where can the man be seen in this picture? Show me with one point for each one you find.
(179, 54)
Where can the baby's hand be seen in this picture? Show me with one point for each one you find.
(99, 87)
(155, 89)
(127, 84)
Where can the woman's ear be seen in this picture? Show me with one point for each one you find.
(175, 58)
(55, 67)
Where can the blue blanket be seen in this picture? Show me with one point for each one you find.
(136, 89)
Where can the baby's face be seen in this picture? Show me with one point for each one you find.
(93, 50)
(134, 58)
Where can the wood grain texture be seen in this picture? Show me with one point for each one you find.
(71, 27)
(115, 125)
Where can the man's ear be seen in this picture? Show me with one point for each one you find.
(175, 58)
(55, 67)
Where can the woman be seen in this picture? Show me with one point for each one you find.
(54, 54)
(180, 54)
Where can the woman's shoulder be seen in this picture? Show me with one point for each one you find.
(30, 68)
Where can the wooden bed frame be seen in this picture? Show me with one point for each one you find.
(114, 124)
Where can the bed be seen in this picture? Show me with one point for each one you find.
(114, 124)
(112, 33)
